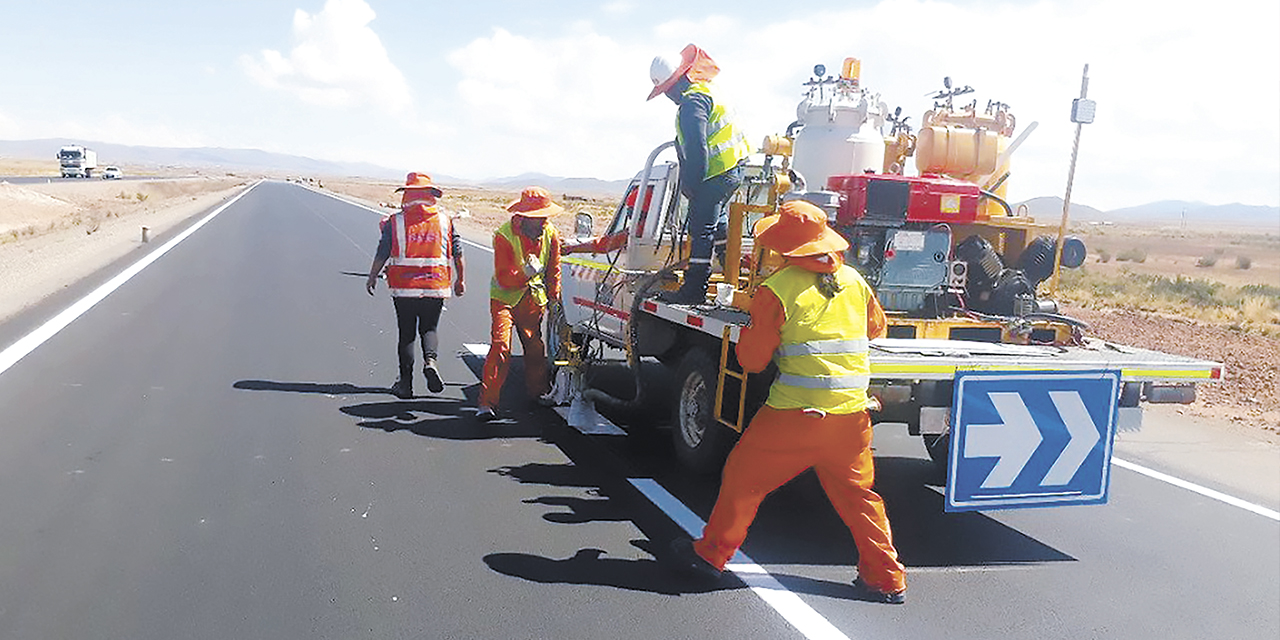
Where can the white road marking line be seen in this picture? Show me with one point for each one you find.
(1204, 491)
(478, 350)
(799, 614)
(28, 343)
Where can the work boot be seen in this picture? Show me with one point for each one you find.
(686, 561)
(694, 288)
(434, 383)
(869, 593)
(403, 387)
(486, 414)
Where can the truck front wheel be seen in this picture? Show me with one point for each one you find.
(701, 442)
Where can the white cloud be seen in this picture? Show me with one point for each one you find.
(562, 105)
(337, 61)
(8, 127)
(101, 128)
(118, 128)
(1186, 98)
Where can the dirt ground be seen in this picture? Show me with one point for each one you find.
(52, 234)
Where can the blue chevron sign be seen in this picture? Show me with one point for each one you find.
(1031, 439)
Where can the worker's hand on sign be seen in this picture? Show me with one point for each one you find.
(532, 266)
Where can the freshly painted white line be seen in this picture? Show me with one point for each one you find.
(479, 350)
(800, 615)
(1204, 491)
(28, 343)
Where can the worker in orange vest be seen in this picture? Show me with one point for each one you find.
(417, 246)
(814, 316)
(526, 278)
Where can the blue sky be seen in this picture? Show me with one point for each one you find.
(1188, 93)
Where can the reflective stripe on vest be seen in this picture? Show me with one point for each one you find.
(832, 383)
(726, 143)
(421, 246)
(822, 359)
(536, 285)
(822, 346)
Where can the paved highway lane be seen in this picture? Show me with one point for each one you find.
(209, 452)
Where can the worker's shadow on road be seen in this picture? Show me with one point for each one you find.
(592, 567)
(440, 418)
(434, 417)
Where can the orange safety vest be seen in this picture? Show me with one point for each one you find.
(421, 252)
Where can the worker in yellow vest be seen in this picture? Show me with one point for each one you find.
(712, 152)
(814, 316)
(526, 278)
(418, 244)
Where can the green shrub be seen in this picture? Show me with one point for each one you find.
(1207, 261)
(1104, 255)
(1243, 262)
(1135, 254)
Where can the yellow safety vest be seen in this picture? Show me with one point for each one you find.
(822, 360)
(537, 285)
(726, 143)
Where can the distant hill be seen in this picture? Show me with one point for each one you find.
(1050, 208)
(1167, 212)
(559, 186)
(1199, 213)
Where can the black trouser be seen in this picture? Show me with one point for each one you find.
(416, 317)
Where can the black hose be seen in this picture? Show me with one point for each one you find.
(1057, 317)
(633, 354)
(1000, 201)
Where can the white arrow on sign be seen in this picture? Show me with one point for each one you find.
(1013, 440)
(1084, 435)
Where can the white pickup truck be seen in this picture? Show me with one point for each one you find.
(608, 297)
(978, 362)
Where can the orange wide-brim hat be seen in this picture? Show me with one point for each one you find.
(695, 63)
(798, 229)
(535, 202)
(419, 181)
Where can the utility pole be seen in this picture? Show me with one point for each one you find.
(1082, 110)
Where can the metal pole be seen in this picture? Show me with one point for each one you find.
(1066, 199)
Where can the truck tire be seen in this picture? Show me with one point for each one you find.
(700, 441)
(939, 448)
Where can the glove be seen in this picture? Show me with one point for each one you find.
(532, 266)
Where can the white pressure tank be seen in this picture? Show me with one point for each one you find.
(842, 133)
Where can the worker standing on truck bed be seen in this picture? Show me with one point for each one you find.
(417, 245)
(526, 276)
(815, 315)
(712, 149)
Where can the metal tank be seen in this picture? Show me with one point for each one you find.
(840, 128)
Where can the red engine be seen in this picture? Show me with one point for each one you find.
(894, 200)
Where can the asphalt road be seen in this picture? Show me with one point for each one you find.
(209, 452)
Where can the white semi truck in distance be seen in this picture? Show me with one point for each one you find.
(77, 161)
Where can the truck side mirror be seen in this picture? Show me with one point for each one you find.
(582, 225)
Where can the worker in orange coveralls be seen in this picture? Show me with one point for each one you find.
(815, 315)
(526, 278)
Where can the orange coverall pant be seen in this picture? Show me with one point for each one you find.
(777, 446)
(526, 318)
